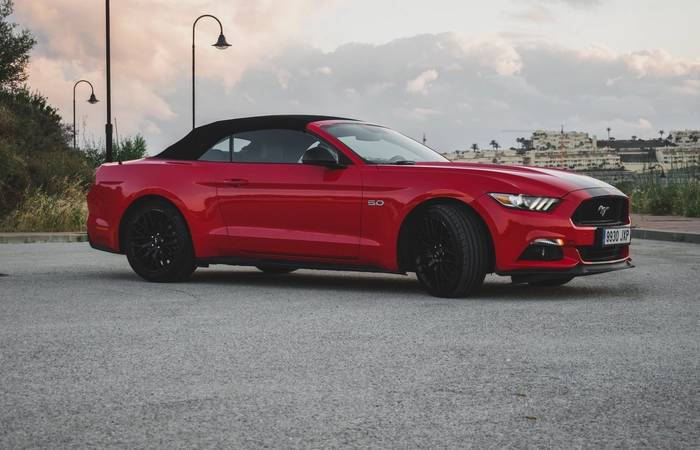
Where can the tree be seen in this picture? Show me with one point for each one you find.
(634, 138)
(14, 50)
(494, 144)
(609, 132)
(661, 133)
(128, 148)
(475, 148)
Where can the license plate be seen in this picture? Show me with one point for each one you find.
(617, 236)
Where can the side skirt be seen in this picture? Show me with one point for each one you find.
(237, 261)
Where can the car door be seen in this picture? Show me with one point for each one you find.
(273, 204)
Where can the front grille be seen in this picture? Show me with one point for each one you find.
(601, 211)
(601, 254)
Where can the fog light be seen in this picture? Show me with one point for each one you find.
(543, 250)
(555, 242)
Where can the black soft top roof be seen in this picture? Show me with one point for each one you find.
(201, 139)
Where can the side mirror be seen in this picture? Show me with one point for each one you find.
(322, 156)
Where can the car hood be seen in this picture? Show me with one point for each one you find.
(528, 179)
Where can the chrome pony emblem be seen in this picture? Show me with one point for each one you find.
(602, 210)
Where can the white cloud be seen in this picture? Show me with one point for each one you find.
(689, 87)
(283, 77)
(489, 52)
(644, 124)
(537, 14)
(612, 81)
(419, 114)
(659, 64)
(420, 84)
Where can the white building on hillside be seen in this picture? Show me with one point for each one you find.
(685, 138)
(570, 141)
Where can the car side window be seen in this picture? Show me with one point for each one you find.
(220, 152)
(272, 146)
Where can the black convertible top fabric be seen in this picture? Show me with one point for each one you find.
(201, 139)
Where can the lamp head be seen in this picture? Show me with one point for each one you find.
(92, 100)
(221, 44)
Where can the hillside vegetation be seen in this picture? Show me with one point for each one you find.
(43, 180)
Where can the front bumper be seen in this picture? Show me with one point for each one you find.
(580, 249)
(526, 276)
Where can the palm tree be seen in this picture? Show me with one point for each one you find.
(475, 147)
(609, 132)
(662, 134)
(634, 138)
(494, 144)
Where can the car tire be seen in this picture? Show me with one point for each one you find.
(158, 245)
(551, 282)
(272, 270)
(449, 251)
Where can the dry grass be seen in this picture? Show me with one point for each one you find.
(40, 212)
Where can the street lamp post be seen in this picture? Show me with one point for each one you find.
(662, 177)
(108, 126)
(221, 44)
(92, 100)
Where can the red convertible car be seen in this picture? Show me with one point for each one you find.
(287, 192)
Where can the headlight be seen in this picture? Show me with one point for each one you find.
(526, 202)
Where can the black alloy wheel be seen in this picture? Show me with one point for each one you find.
(449, 251)
(158, 243)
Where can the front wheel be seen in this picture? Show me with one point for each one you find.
(450, 251)
(158, 243)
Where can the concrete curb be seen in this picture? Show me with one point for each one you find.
(34, 238)
(661, 235)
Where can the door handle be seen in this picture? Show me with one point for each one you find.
(236, 182)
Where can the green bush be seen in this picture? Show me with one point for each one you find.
(126, 149)
(678, 199)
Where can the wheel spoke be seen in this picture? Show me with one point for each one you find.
(435, 254)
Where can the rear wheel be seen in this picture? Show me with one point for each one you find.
(449, 251)
(158, 243)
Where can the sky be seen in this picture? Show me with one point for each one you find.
(459, 72)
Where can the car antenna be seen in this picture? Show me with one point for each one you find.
(119, 151)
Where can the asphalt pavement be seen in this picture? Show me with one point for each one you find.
(91, 356)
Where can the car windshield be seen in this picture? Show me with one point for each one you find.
(379, 145)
